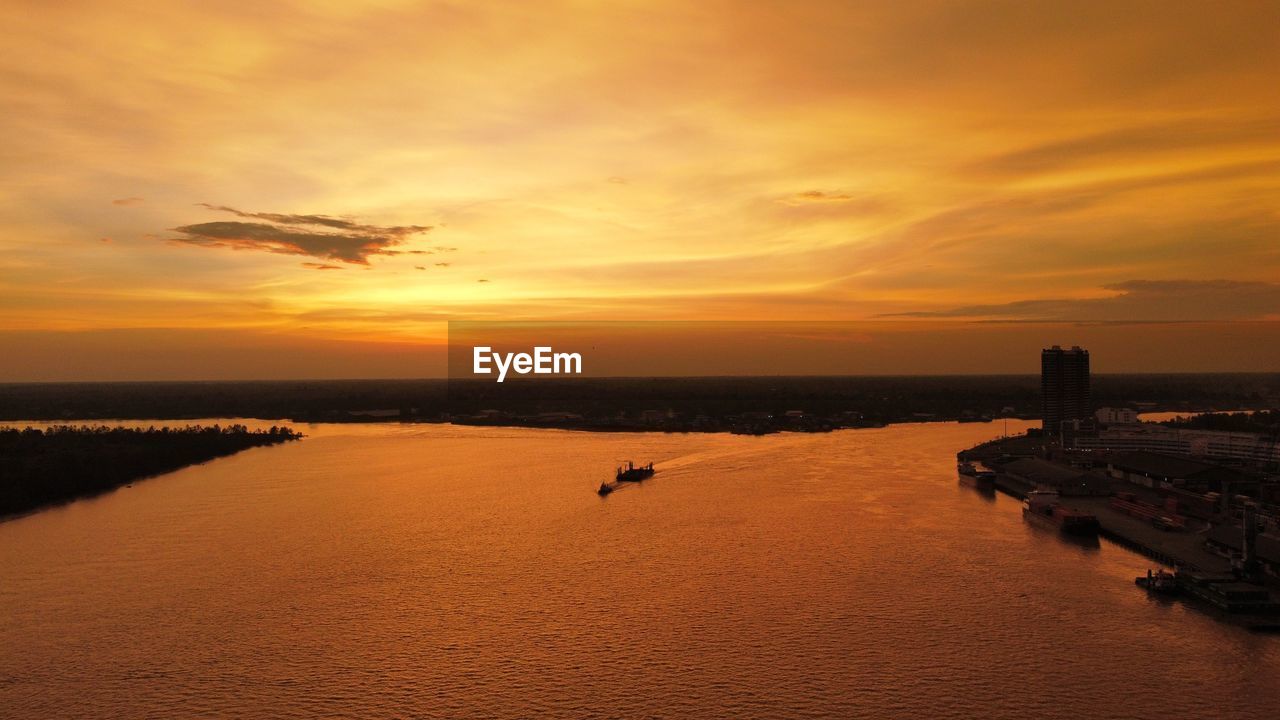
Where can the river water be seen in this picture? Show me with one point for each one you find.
(441, 571)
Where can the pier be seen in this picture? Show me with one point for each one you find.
(1180, 548)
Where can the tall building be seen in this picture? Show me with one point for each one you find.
(1064, 387)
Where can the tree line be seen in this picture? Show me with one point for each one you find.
(44, 466)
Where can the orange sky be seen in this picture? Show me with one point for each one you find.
(269, 189)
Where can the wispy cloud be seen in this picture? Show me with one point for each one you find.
(827, 205)
(321, 236)
(128, 202)
(1130, 142)
(1137, 300)
(809, 196)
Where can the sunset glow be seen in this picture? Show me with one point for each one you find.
(247, 182)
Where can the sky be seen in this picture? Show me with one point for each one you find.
(262, 190)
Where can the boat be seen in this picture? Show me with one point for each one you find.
(1042, 507)
(631, 473)
(1159, 582)
(976, 475)
(625, 473)
(1224, 595)
(1228, 593)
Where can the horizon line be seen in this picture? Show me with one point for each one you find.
(781, 376)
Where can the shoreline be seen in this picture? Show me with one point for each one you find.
(55, 466)
(805, 424)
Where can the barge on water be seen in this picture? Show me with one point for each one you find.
(976, 475)
(628, 473)
(631, 473)
(1042, 507)
(1231, 597)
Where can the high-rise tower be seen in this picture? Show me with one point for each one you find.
(1064, 387)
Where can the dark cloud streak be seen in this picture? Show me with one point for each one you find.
(319, 236)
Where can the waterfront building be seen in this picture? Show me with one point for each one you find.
(1252, 447)
(1228, 540)
(1158, 471)
(1116, 416)
(1034, 473)
(1064, 388)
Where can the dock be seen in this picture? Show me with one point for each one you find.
(1179, 548)
(1174, 548)
(1012, 487)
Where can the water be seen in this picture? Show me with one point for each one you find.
(444, 571)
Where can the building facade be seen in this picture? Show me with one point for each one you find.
(1116, 416)
(1064, 387)
(1253, 447)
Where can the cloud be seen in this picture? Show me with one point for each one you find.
(320, 236)
(815, 205)
(1130, 142)
(1137, 300)
(128, 202)
(816, 196)
(321, 220)
(321, 266)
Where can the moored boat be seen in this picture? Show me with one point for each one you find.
(976, 475)
(1042, 507)
(1228, 593)
(1159, 582)
(1225, 595)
